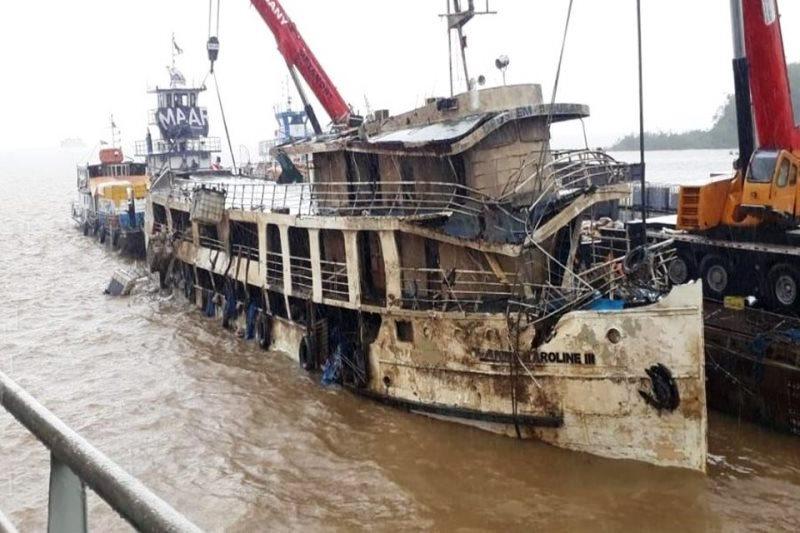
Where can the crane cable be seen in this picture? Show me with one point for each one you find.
(213, 53)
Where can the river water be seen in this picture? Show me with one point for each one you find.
(242, 440)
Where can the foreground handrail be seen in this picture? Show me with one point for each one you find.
(124, 493)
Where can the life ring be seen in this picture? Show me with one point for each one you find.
(306, 355)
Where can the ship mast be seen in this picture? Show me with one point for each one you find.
(114, 133)
(456, 20)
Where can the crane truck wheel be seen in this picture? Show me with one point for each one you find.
(783, 287)
(716, 276)
(681, 269)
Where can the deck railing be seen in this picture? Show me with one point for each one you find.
(302, 277)
(334, 280)
(398, 198)
(210, 242)
(76, 464)
(454, 289)
(245, 252)
(275, 269)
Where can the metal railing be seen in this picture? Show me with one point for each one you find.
(76, 464)
(275, 269)
(449, 290)
(245, 252)
(302, 277)
(334, 280)
(211, 242)
(573, 171)
(162, 147)
(390, 199)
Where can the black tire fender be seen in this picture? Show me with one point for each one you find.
(306, 354)
(264, 331)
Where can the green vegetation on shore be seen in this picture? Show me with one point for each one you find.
(721, 135)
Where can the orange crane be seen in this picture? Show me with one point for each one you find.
(740, 234)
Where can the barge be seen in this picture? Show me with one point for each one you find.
(433, 261)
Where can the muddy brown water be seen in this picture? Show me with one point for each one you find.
(242, 440)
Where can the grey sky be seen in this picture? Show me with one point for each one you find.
(69, 64)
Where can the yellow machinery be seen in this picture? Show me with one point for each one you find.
(766, 193)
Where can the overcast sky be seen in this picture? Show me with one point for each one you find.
(68, 64)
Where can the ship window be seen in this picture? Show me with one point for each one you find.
(783, 174)
(405, 331)
(762, 167)
(159, 214)
(793, 175)
(372, 268)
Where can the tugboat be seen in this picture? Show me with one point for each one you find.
(292, 126)
(434, 261)
(183, 146)
(111, 200)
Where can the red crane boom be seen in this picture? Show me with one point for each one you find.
(299, 56)
(769, 80)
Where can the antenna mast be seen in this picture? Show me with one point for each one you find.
(456, 20)
(113, 133)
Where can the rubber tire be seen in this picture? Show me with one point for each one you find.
(710, 261)
(688, 267)
(305, 355)
(264, 332)
(773, 277)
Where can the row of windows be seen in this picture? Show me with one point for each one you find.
(171, 99)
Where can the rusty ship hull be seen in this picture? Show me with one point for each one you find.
(434, 257)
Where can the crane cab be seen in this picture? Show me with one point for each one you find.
(766, 191)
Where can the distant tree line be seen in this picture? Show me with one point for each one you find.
(721, 135)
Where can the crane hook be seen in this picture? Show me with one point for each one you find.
(213, 50)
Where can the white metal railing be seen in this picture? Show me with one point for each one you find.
(211, 242)
(573, 170)
(432, 288)
(240, 250)
(400, 198)
(162, 146)
(334, 280)
(302, 277)
(275, 269)
(76, 464)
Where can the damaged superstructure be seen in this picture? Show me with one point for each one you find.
(436, 261)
